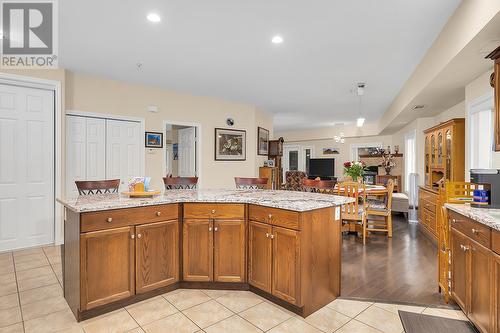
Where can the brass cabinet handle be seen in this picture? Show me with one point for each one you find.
(271, 236)
(213, 211)
(109, 219)
(270, 216)
(132, 236)
(267, 234)
(215, 229)
(209, 229)
(139, 235)
(475, 231)
(158, 213)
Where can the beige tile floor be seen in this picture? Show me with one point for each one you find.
(31, 301)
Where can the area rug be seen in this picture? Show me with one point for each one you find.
(420, 323)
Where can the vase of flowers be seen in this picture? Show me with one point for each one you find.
(354, 169)
(388, 162)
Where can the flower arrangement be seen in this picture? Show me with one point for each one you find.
(388, 162)
(354, 169)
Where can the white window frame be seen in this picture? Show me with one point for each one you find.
(482, 103)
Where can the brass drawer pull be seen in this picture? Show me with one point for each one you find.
(271, 236)
(270, 216)
(267, 235)
(109, 219)
(132, 236)
(209, 229)
(475, 231)
(215, 229)
(158, 213)
(213, 211)
(139, 235)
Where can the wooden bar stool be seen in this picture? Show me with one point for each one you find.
(318, 186)
(180, 183)
(250, 183)
(89, 187)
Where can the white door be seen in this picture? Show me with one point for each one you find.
(187, 152)
(26, 167)
(85, 151)
(291, 159)
(124, 144)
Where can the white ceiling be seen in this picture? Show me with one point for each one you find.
(222, 48)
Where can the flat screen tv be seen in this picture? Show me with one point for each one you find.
(322, 167)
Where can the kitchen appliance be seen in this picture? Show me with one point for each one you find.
(370, 175)
(488, 195)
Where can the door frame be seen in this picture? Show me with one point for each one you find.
(353, 147)
(55, 86)
(110, 116)
(198, 143)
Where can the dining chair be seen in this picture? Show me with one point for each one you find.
(318, 186)
(180, 183)
(90, 187)
(353, 212)
(250, 183)
(381, 208)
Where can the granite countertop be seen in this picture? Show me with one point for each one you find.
(487, 216)
(290, 200)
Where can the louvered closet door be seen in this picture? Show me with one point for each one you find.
(26, 167)
(124, 142)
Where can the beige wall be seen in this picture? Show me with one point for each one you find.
(86, 93)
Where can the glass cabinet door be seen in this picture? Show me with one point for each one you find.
(433, 150)
(448, 137)
(440, 149)
(427, 167)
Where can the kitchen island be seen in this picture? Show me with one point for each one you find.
(282, 245)
(475, 263)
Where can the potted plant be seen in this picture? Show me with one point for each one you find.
(387, 162)
(354, 169)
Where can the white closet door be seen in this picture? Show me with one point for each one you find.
(124, 144)
(76, 156)
(187, 151)
(26, 167)
(96, 149)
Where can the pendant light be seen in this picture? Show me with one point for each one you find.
(360, 92)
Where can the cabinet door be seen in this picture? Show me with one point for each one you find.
(496, 293)
(156, 255)
(259, 255)
(286, 249)
(197, 245)
(433, 150)
(427, 157)
(480, 283)
(440, 149)
(107, 270)
(459, 268)
(229, 251)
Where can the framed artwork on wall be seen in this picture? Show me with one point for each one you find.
(262, 141)
(154, 140)
(230, 144)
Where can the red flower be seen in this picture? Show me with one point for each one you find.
(347, 164)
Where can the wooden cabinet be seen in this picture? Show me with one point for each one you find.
(428, 203)
(480, 286)
(229, 251)
(157, 255)
(214, 246)
(459, 268)
(107, 266)
(475, 272)
(495, 83)
(286, 250)
(259, 255)
(197, 250)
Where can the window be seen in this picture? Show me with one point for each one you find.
(480, 128)
(410, 158)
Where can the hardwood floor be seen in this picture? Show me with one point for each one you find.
(401, 269)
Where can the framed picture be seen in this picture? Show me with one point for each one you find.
(330, 151)
(230, 145)
(154, 140)
(262, 141)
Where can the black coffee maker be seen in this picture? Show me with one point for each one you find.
(490, 181)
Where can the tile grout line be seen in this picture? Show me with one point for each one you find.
(185, 309)
(369, 324)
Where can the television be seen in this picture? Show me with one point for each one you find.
(323, 168)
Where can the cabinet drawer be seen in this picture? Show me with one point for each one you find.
(214, 211)
(495, 242)
(279, 217)
(430, 206)
(102, 220)
(477, 231)
(432, 222)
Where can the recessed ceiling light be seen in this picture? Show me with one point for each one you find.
(153, 17)
(277, 39)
